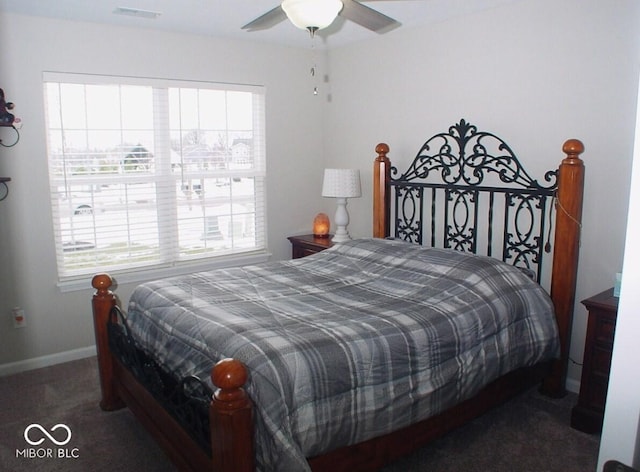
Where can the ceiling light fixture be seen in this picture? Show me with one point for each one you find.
(148, 14)
(312, 15)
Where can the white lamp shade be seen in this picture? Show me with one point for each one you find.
(341, 183)
(311, 13)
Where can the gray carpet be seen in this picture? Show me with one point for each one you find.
(529, 434)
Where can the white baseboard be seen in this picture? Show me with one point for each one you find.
(46, 361)
(572, 385)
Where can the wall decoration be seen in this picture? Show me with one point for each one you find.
(8, 119)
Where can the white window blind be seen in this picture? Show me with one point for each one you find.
(149, 173)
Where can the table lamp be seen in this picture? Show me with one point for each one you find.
(341, 184)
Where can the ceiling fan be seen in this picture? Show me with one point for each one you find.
(313, 15)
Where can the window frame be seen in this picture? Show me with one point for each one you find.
(171, 265)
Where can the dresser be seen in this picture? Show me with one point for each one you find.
(308, 244)
(588, 413)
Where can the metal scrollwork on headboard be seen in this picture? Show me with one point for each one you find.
(467, 190)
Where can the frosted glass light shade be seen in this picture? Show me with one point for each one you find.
(307, 14)
(341, 183)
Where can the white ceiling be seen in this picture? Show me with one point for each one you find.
(224, 18)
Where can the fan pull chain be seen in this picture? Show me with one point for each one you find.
(312, 33)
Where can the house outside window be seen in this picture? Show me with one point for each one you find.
(150, 173)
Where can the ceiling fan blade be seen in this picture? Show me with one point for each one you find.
(367, 17)
(269, 19)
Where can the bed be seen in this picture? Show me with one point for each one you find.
(355, 356)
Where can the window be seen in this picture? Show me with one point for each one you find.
(149, 173)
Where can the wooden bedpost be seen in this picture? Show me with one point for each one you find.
(230, 414)
(103, 301)
(381, 189)
(565, 263)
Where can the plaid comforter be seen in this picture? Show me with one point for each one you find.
(350, 343)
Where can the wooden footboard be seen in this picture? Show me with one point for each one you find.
(230, 411)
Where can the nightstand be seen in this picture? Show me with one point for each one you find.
(308, 244)
(588, 414)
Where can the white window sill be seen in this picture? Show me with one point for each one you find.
(142, 275)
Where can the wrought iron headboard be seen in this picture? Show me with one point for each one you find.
(467, 190)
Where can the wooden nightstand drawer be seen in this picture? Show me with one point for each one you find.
(299, 252)
(588, 414)
(308, 244)
(605, 328)
(601, 361)
(596, 394)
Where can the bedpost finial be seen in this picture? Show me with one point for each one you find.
(230, 416)
(573, 148)
(229, 374)
(382, 149)
(102, 282)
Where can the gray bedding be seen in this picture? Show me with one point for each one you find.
(350, 343)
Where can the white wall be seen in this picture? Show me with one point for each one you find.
(59, 322)
(535, 72)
